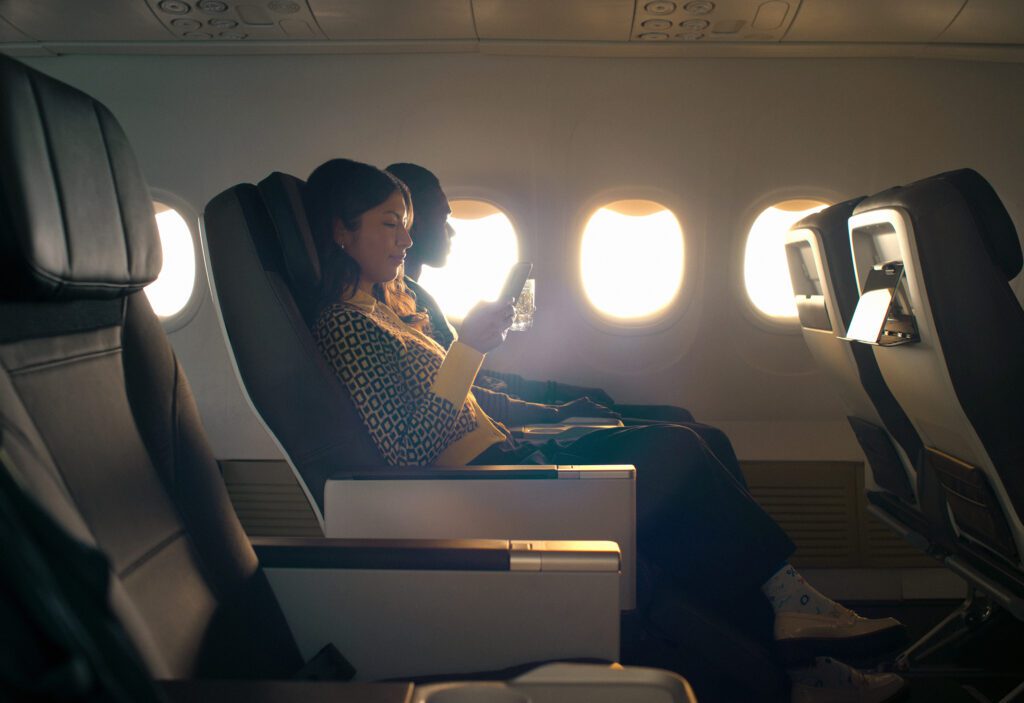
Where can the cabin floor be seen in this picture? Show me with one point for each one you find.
(984, 668)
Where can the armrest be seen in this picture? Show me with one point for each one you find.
(437, 554)
(568, 683)
(399, 615)
(525, 502)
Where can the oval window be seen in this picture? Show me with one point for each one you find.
(484, 248)
(170, 292)
(631, 259)
(765, 269)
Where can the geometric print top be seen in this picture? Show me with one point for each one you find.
(413, 397)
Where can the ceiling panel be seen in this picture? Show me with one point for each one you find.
(696, 21)
(988, 22)
(547, 20)
(95, 20)
(394, 19)
(907, 21)
(236, 20)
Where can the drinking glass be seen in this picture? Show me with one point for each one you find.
(525, 307)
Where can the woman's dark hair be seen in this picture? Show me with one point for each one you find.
(339, 192)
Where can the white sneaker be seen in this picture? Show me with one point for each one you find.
(830, 681)
(841, 633)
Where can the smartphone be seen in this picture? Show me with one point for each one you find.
(515, 280)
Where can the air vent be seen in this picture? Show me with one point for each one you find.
(268, 500)
(236, 20)
(718, 20)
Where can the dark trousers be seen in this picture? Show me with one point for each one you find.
(696, 522)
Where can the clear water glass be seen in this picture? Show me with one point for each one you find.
(525, 307)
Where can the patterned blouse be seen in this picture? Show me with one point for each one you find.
(413, 398)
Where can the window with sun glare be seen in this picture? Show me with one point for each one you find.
(170, 292)
(484, 248)
(631, 259)
(765, 269)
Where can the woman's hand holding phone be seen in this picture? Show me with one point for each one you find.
(486, 325)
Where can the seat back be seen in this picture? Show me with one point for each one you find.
(821, 270)
(298, 396)
(98, 423)
(959, 381)
(825, 284)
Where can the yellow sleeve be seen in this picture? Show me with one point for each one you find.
(455, 377)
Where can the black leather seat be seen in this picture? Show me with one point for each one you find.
(97, 417)
(299, 397)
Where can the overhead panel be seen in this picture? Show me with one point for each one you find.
(236, 20)
(356, 20)
(987, 22)
(870, 21)
(554, 20)
(95, 20)
(713, 20)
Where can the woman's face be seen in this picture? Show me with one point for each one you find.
(380, 242)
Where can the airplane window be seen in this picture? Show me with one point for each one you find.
(765, 270)
(484, 248)
(170, 292)
(631, 259)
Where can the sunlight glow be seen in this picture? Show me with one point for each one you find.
(765, 269)
(484, 248)
(632, 264)
(172, 289)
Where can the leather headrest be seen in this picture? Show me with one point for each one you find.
(76, 217)
(992, 222)
(284, 196)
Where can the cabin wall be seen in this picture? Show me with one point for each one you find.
(547, 139)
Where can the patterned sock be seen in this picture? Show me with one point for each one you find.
(788, 592)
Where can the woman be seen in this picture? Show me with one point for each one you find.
(696, 522)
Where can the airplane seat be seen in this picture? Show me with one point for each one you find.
(299, 397)
(285, 199)
(949, 339)
(265, 270)
(97, 417)
(825, 285)
(416, 503)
